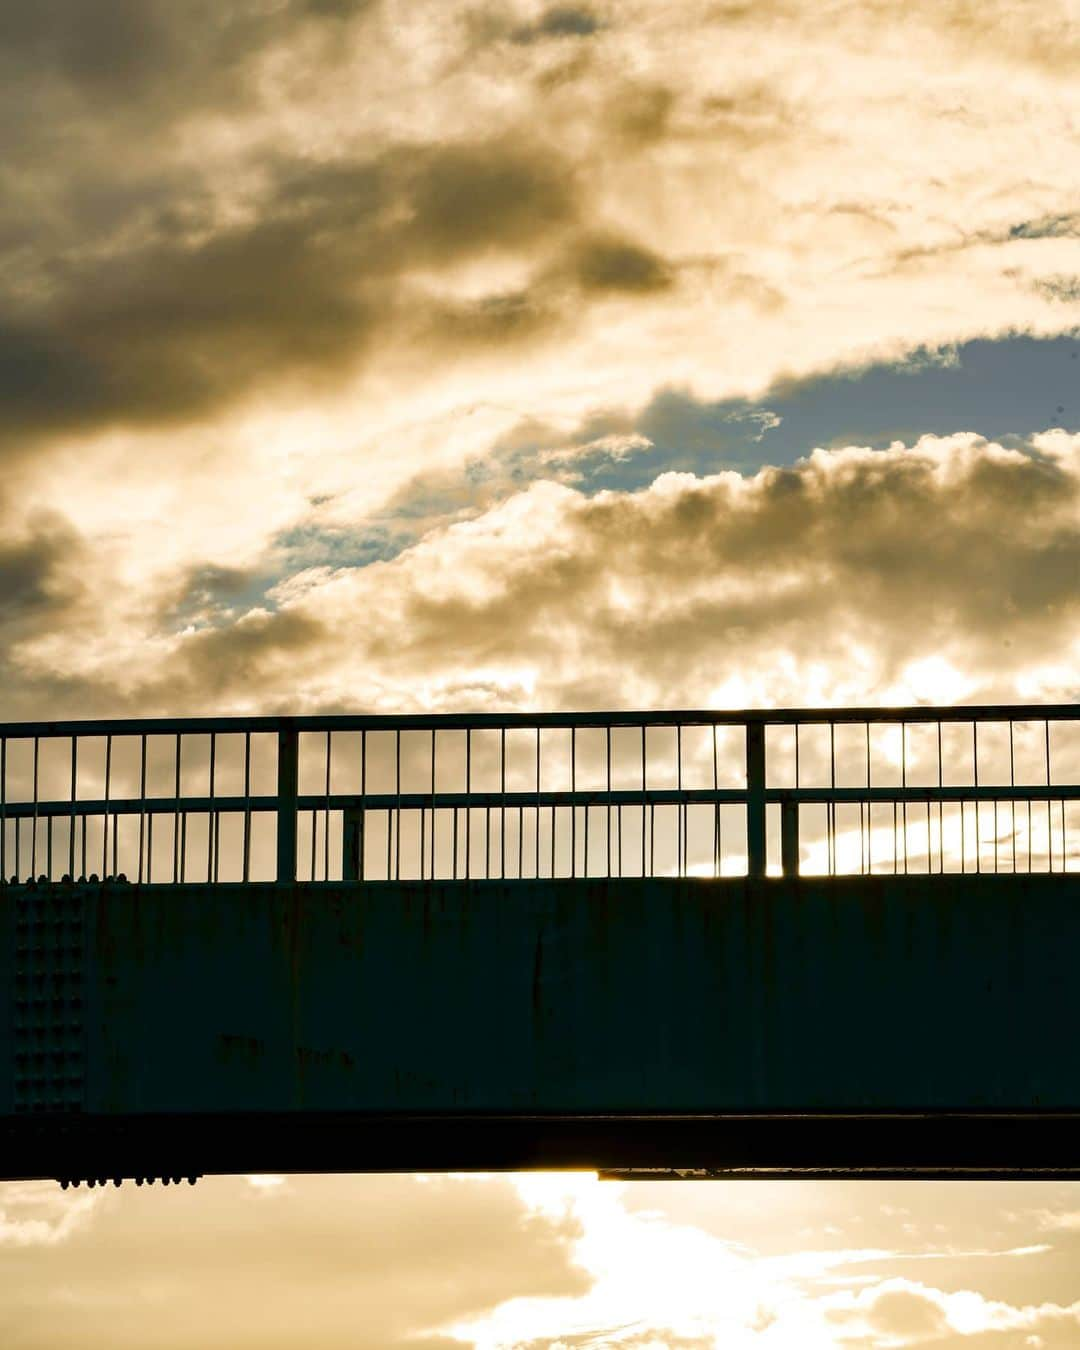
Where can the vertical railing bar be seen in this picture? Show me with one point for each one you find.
(468, 802)
(537, 841)
(82, 847)
(105, 820)
(217, 837)
(869, 811)
(643, 806)
(33, 837)
(607, 732)
(288, 818)
(680, 859)
(756, 779)
(832, 782)
(455, 843)
(996, 864)
(326, 822)
(246, 863)
(74, 793)
(963, 837)
(863, 837)
(502, 808)
(929, 843)
(210, 818)
(487, 841)
(423, 839)
(3, 810)
(1012, 784)
(716, 805)
(903, 784)
(1064, 840)
(397, 805)
(176, 816)
(389, 844)
(573, 801)
(142, 803)
(975, 764)
(433, 815)
(941, 802)
(1049, 825)
(361, 830)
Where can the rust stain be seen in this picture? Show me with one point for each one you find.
(316, 1057)
(235, 1049)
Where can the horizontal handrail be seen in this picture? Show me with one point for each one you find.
(264, 723)
(503, 805)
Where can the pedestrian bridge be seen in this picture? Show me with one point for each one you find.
(699, 943)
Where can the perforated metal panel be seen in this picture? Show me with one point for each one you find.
(48, 993)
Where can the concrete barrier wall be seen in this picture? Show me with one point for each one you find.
(671, 996)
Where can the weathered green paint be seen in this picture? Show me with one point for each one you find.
(677, 996)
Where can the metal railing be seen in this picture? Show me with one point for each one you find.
(819, 791)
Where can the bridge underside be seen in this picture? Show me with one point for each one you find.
(906, 1026)
(958, 1146)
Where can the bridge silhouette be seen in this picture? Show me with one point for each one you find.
(801, 942)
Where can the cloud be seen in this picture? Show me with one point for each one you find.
(900, 1313)
(617, 265)
(196, 316)
(155, 56)
(36, 1214)
(558, 21)
(855, 575)
(379, 1261)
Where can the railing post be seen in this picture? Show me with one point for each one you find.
(755, 799)
(287, 776)
(789, 838)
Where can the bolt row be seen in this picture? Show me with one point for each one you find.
(66, 880)
(65, 1182)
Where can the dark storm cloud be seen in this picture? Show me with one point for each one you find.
(163, 54)
(558, 21)
(195, 316)
(617, 265)
(38, 571)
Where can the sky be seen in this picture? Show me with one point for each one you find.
(373, 355)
